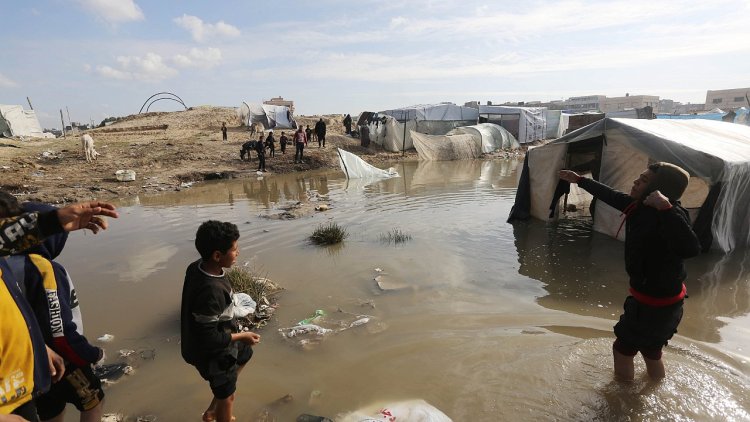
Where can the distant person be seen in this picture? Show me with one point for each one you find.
(348, 124)
(210, 337)
(300, 140)
(320, 131)
(658, 237)
(24, 359)
(224, 131)
(308, 133)
(260, 149)
(51, 294)
(282, 142)
(271, 144)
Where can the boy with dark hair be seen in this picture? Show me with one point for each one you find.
(211, 340)
(658, 237)
(48, 289)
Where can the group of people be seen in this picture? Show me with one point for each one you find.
(266, 145)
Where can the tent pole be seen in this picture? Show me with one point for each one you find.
(29, 101)
(403, 142)
(63, 123)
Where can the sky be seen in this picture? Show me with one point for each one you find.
(99, 58)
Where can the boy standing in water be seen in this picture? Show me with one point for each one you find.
(210, 338)
(658, 236)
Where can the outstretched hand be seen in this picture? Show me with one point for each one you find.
(86, 215)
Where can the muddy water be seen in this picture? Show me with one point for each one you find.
(497, 321)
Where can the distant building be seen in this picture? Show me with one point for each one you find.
(280, 101)
(666, 106)
(585, 103)
(727, 99)
(688, 108)
(629, 102)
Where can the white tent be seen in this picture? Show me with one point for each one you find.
(15, 121)
(390, 126)
(616, 151)
(459, 146)
(491, 137)
(270, 116)
(527, 124)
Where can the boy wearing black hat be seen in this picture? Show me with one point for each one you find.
(658, 238)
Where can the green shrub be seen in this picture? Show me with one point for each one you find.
(328, 234)
(395, 236)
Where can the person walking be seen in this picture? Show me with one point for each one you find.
(308, 134)
(224, 131)
(348, 124)
(300, 140)
(271, 144)
(320, 131)
(260, 148)
(282, 142)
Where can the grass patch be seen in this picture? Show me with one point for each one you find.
(395, 236)
(246, 280)
(328, 234)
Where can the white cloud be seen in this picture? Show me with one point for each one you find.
(202, 31)
(113, 11)
(203, 58)
(150, 67)
(6, 82)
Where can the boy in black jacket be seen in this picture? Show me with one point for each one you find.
(210, 338)
(658, 236)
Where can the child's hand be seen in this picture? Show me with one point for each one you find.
(251, 338)
(657, 200)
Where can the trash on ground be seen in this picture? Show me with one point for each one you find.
(110, 373)
(387, 283)
(113, 417)
(409, 410)
(310, 320)
(244, 305)
(312, 330)
(106, 338)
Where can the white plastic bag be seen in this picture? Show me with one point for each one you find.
(244, 305)
(404, 411)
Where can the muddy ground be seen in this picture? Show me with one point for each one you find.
(167, 151)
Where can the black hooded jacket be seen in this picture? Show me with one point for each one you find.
(656, 242)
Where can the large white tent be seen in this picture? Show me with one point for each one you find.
(527, 124)
(391, 126)
(270, 116)
(15, 121)
(615, 151)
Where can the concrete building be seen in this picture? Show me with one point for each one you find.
(727, 99)
(629, 101)
(666, 106)
(585, 103)
(688, 108)
(280, 101)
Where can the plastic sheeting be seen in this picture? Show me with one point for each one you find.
(403, 411)
(15, 121)
(532, 125)
(490, 136)
(445, 112)
(356, 168)
(555, 127)
(270, 116)
(446, 147)
(716, 152)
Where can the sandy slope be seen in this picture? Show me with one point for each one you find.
(189, 149)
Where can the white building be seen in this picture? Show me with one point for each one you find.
(727, 99)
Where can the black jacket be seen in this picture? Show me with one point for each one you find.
(656, 242)
(206, 319)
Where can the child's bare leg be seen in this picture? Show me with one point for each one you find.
(655, 368)
(624, 368)
(210, 414)
(93, 415)
(224, 409)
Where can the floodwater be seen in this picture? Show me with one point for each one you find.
(498, 321)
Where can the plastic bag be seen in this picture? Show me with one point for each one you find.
(404, 411)
(244, 305)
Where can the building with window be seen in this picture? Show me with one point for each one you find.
(727, 99)
(585, 103)
(629, 102)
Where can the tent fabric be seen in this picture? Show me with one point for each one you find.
(532, 125)
(446, 147)
(554, 121)
(715, 152)
(15, 121)
(270, 116)
(436, 112)
(357, 168)
(491, 137)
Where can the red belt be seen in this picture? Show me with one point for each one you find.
(658, 301)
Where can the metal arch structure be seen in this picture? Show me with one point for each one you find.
(176, 98)
(164, 98)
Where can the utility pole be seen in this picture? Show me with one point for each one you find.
(69, 121)
(29, 101)
(63, 123)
